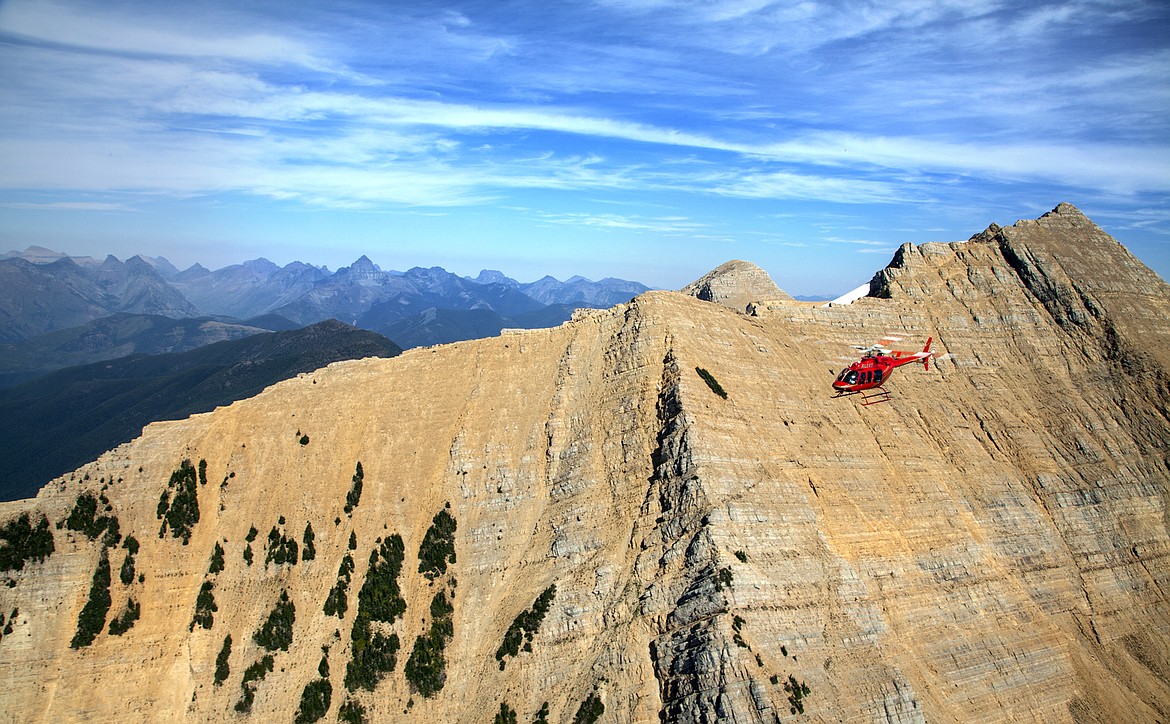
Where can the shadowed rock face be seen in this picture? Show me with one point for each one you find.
(992, 542)
(735, 284)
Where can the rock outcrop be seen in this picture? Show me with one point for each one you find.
(992, 543)
(735, 284)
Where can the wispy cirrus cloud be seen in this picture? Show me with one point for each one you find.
(350, 125)
(756, 27)
(343, 129)
(66, 206)
(98, 29)
(661, 224)
(759, 108)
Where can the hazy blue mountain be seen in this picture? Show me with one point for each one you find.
(44, 291)
(59, 421)
(576, 291)
(442, 326)
(136, 287)
(582, 292)
(120, 335)
(249, 289)
(41, 255)
(162, 265)
(345, 295)
(35, 298)
(491, 276)
(38, 298)
(456, 292)
(271, 322)
(369, 297)
(195, 271)
(551, 315)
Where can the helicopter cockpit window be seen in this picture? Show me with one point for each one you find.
(849, 377)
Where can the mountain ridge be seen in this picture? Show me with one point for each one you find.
(116, 336)
(49, 291)
(992, 541)
(735, 284)
(40, 298)
(67, 417)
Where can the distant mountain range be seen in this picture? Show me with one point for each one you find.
(63, 419)
(91, 350)
(36, 298)
(121, 335)
(577, 292)
(57, 310)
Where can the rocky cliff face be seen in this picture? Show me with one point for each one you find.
(735, 284)
(990, 544)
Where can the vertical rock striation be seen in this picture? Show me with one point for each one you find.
(990, 544)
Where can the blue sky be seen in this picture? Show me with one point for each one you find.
(643, 139)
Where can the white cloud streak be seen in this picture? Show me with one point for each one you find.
(72, 26)
(99, 102)
(660, 225)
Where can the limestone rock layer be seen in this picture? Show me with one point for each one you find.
(990, 544)
(735, 284)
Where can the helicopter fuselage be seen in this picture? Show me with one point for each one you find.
(874, 369)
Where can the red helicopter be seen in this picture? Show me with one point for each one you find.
(874, 369)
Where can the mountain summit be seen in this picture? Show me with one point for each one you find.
(655, 512)
(735, 284)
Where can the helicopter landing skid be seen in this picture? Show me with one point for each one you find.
(868, 397)
(875, 396)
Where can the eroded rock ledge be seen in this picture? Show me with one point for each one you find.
(992, 541)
